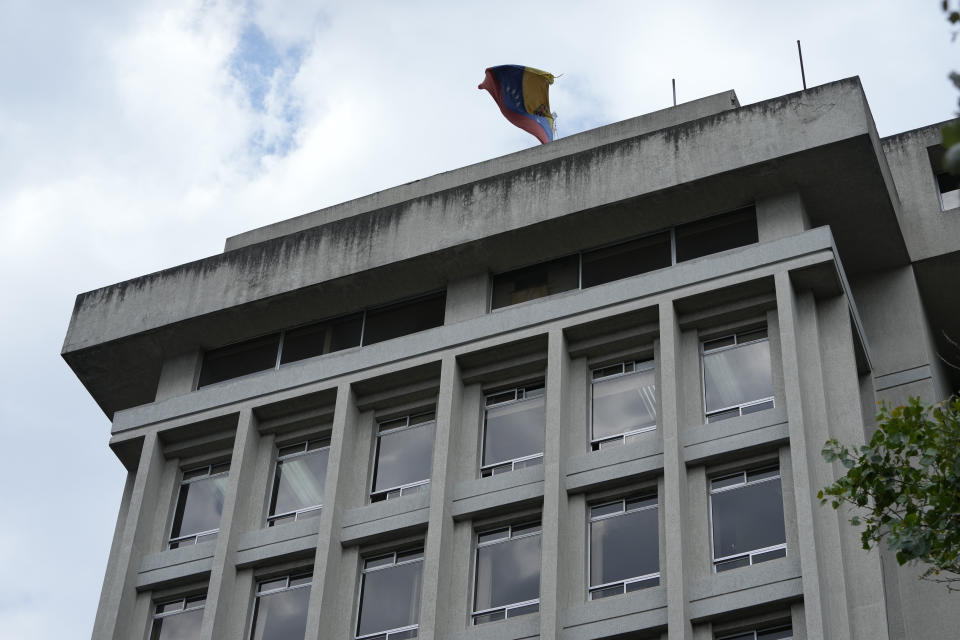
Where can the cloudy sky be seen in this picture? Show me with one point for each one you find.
(137, 135)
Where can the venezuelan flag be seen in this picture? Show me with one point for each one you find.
(522, 93)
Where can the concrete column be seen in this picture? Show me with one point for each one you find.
(117, 601)
(674, 478)
(439, 547)
(780, 216)
(116, 548)
(823, 590)
(219, 621)
(177, 374)
(467, 298)
(555, 502)
(325, 598)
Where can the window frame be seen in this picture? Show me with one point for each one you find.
(745, 471)
(646, 496)
(596, 444)
(289, 577)
(364, 571)
(209, 533)
(477, 545)
(188, 604)
(757, 631)
(489, 470)
(321, 445)
(771, 400)
(409, 488)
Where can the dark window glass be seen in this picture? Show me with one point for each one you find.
(390, 596)
(199, 506)
(298, 483)
(239, 359)
(282, 614)
(719, 233)
(507, 572)
(404, 318)
(735, 376)
(626, 259)
(949, 186)
(624, 403)
(624, 546)
(514, 429)
(183, 624)
(537, 281)
(404, 454)
(747, 518)
(780, 633)
(322, 337)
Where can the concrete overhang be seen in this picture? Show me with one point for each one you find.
(821, 143)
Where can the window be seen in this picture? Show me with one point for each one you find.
(280, 609)
(716, 234)
(514, 422)
(390, 596)
(948, 185)
(736, 375)
(404, 318)
(783, 632)
(626, 259)
(746, 516)
(624, 402)
(403, 456)
(199, 505)
(298, 481)
(536, 281)
(507, 573)
(624, 546)
(319, 338)
(178, 619)
(239, 359)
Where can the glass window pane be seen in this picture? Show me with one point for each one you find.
(181, 626)
(624, 547)
(716, 234)
(780, 633)
(390, 598)
(748, 518)
(404, 318)
(299, 482)
(624, 404)
(514, 431)
(281, 615)
(536, 281)
(199, 506)
(626, 259)
(239, 359)
(404, 457)
(322, 337)
(507, 573)
(738, 375)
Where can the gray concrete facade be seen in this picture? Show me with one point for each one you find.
(850, 276)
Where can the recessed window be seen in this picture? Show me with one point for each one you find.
(507, 570)
(298, 481)
(319, 338)
(199, 505)
(624, 546)
(514, 422)
(780, 632)
(280, 610)
(719, 233)
(746, 516)
(239, 359)
(390, 596)
(403, 456)
(626, 259)
(737, 377)
(178, 619)
(404, 318)
(536, 281)
(948, 184)
(624, 402)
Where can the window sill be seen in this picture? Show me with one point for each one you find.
(702, 442)
(754, 585)
(633, 611)
(474, 497)
(380, 520)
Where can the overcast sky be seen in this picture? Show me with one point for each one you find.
(136, 136)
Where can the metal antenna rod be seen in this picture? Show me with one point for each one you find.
(673, 81)
(803, 75)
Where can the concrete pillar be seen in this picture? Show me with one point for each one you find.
(467, 298)
(178, 374)
(780, 216)
(439, 547)
(674, 495)
(116, 548)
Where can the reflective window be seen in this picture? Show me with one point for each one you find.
(746, 516)
(404, 318)
(403, 456)
(319, 338)
(199, 505)
(536, 281)
(178, 619)
(781, 632)
(240, 359)
(514, 422)
(624, 402)
(624, 547)
(298, 480)
(719, 233)
(507, 582)
(390, 596)
(626, 259)
(737, 376)
(280, 610)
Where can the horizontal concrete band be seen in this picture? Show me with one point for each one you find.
(896, 379)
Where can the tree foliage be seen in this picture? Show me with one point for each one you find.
(951, 132)
(905, 486)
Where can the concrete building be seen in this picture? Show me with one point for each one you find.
(576, 392)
